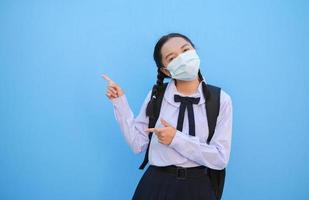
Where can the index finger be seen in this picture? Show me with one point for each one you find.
(154, 130)
(107, 78)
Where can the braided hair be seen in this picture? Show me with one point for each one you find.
(158, 87)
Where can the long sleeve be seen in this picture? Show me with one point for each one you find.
(216, 154)
(132, 128)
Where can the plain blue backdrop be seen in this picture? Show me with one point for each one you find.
(58, 135)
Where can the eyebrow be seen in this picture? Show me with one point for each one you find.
(184, 45)
(173, 52)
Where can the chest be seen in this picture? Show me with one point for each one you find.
(170, 113)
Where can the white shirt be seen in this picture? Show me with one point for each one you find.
(184, 150)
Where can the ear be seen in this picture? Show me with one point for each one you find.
(165, 71)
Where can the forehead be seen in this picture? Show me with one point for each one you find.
(173, 44)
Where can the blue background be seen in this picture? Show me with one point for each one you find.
(59, 138)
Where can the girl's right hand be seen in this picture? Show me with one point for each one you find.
(113, 90)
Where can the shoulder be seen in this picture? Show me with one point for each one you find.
(166, 86)
(225, 97)
(225, 101)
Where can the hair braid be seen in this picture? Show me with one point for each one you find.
(157, 89)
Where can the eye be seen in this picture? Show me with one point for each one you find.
(170, 59)
(186, 49)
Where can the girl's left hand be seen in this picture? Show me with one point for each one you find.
(165, 134)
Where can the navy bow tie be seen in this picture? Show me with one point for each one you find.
(186, 102)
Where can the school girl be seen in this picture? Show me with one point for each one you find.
(178, 154)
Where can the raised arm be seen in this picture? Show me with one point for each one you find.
(133, 129)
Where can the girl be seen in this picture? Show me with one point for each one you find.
(180, 134)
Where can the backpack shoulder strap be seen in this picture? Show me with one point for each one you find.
(153, 119)
(156, 106)
(217, 177)
(212, 108)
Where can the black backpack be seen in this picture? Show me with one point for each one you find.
(217, 177)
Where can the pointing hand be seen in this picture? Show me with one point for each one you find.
(113, 90)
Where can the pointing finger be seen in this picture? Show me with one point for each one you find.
(154, 130)
(151, 130)
(107, 78)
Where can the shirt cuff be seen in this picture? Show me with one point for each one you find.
(118, 101)
(177, 140)
(121, 104)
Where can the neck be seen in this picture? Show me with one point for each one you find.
(187, 87)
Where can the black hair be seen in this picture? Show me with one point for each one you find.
(157, 56)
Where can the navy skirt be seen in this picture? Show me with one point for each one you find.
(156, 184)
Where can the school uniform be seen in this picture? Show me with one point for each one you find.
(187, 149)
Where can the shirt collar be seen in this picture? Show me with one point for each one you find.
(171, 90)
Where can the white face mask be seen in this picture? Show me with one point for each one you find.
(185, 66)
